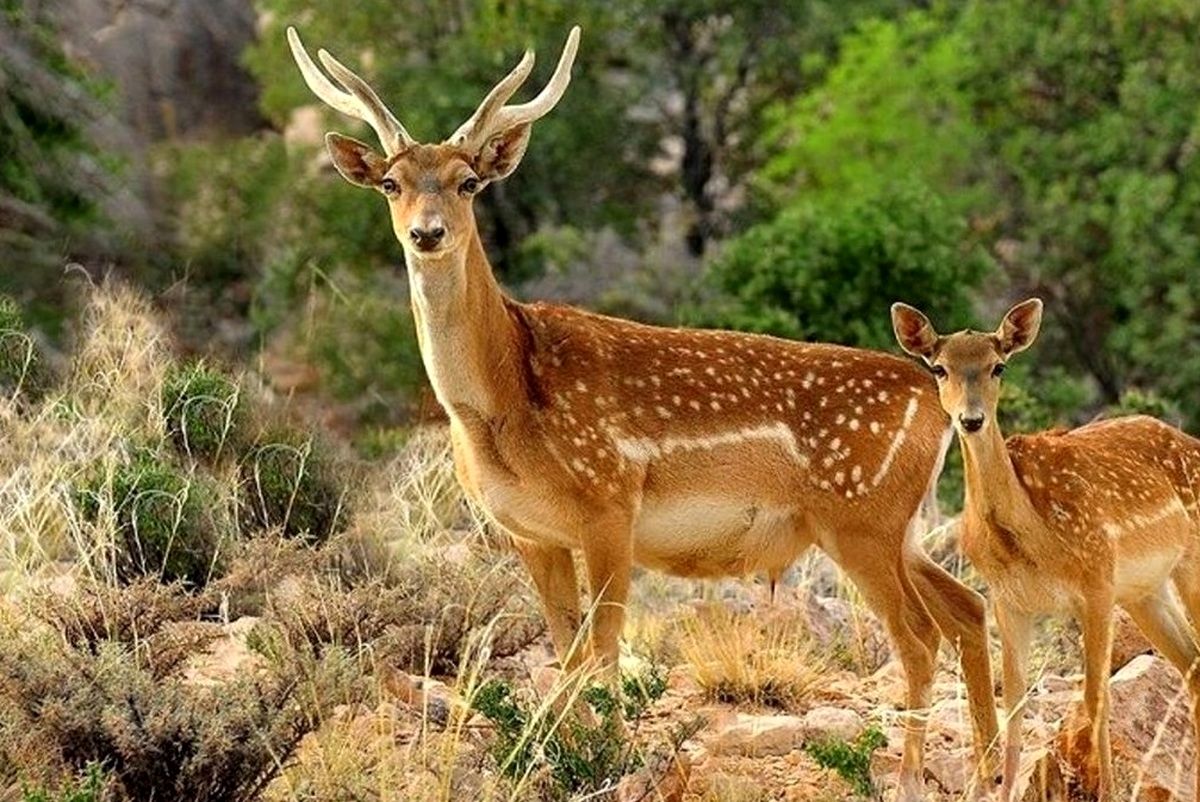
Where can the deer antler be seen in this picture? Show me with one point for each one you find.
(493, 116)
(360, 102)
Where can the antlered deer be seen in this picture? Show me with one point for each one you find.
(1069, 522)
(701, 453)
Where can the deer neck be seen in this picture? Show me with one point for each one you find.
(994, 493)
(465, 330)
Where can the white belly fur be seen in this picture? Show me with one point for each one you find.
(707, 535)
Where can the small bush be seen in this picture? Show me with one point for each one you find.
(88, 787)
(419, 619)
(577, 754)
(203, 410)
(290, 483)
(159, 622)
(167, 523)
(852, 761)
(159, 738)
(23, 372)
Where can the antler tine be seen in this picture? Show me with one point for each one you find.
(495, 99)
(360, 102)
(506, 117)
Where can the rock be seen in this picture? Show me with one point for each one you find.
(680, 680)
(666, 780)
(835, 623)
(758, 736)
(1128, 641)
(832, 723)
(433, 699)
(1151, 731)
(176, 65)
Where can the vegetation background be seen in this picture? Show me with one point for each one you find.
(227, 541)
(785, 167)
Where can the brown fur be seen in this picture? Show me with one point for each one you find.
(702, 453)
(1070, 521)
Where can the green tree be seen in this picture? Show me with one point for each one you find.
(1067, 134)
(433, 63)
(826, 271)
(711, 67)
(1093, 109)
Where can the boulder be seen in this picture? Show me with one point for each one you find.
(832, 723)
(1128, 641)
(758, 735)
(1154, 750)
(664, 780)
(176, 65)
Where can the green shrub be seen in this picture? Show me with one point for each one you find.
(161, 738)
(203, 410)
(23, 371)
(1135, 401)
(363, 343)
(852, 761)
(579, 756)
(167, 522)
(828, 271)
(290, 482)
(88, 787)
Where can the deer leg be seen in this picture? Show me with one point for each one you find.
(553, 572)
(914, 632)
(960, 614)
(609, 559)
(1016, 631)
(1165, 624)
(1096, 622)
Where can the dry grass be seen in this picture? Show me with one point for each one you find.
(414, 582)
(751, 658)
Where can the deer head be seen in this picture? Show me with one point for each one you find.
(968, 364)
(430, 188)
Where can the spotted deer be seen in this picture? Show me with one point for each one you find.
(1069, 522)
(700, 453)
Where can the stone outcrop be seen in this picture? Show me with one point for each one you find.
(175, 63)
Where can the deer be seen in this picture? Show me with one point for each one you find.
(1069, 522)
(701, 453)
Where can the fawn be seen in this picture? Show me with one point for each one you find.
(1069, 522)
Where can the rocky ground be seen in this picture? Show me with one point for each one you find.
(747, 751)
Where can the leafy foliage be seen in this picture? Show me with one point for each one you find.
(1066, 134)
(23, 371)
(822, 271)
(168, 522)
(87, 788)
(53, 180)
(850, 760)
(290, 482)
(159, 739)
(580, 753)
(203, 411)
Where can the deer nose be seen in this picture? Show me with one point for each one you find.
(426, 239)
(972, 423)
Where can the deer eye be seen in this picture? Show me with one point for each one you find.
(998, 369)
(938, 371)
(469, 187)
(389, 186)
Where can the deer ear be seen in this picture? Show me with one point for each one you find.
(914, 332)
(501, 154)
(356, 161)
(1020, 327)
